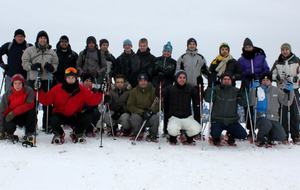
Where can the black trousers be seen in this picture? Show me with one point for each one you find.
(94, 116)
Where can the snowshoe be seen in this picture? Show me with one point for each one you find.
(172, 140)
(151, 138)
(263, 144)
(140, 137)
(13, 138)
(79, 138)
(28, 141)
(230, 140)
(90, 134)
(58, 139)
(189, 141)
(296, 141)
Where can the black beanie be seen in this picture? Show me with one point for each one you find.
(179, 72)
(102, 41)
(190, 41)
(247, 42)
(266, 76)
(91, 39)
(64, 37)
(86, 76)
(19, 32)
(42, 34)
(142, 76)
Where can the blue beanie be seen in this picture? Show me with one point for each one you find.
(168, 47)
(127, 42)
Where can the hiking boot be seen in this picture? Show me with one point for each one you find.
(58, 139)
(151, 138)
(172, 140)
(189, 141)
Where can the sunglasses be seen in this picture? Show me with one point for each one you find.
(71, 70)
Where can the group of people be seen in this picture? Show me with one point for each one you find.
(135, 87)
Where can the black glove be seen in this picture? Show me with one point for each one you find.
(147, 114)
(200, 80)
(4, 67)
(295, 79)
(116, 115)
(212, 78)
(37, 84)
(36, 66)
(103, 87)
(107, 99)
(110, 58)
(251, 77)
(161, 76)
(49, 67)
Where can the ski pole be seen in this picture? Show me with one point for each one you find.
(210, 109)
(250, 116)
(160, 115)
(289, 116)
(47, 111)
(142, 127)
(38, 78)
(2, 83)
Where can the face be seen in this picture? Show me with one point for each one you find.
(91, 45)
(286, 52)
(248, 48)
(19, 39)
(120, 83)
(192, 46)
(88, 83)
(181, 80)
(70, 79)
(104, 47)
(143, 47)
(266, 82)
(127, 48)
(64, 44)
(167, 54)
(18, 85)
(226, 81)
(143, 83)
(224, 51)
(43, 41)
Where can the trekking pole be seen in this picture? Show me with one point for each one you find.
(160, 115)
(38, 78)
(142, 127)
(47, 111)
(289, 116)
(110, 120)
(2, 83)
(201, 113)
(250, 116)
(210, 109)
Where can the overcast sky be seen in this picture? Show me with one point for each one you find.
(268, 23)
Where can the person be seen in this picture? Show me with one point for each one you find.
(193, 63)
(224, 115)
(14, 51)
(40, 61)
(118, 97)
(89, 61)
(143, 107)
(106, 57)
(126, 64)
(145, 59)
(66, 56)
(164, 68)
(17, 108)
(287, 69)
(254, 66)
(178, 109)
(91, 111)
(68, 100)
(225, 63)
(267, 99)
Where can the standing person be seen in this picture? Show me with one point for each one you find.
(14, 51)
(126, 64)
(224, 115)
(143, 107)
(68, 100)
(66, 56)
(225, 63)
(17, 108)
(40, 58)
(267, 99)
(89, 61)
(164, 68)
(145, 59)
(178, 109)
(106, 57)
(193, 63)
(254, 66)
(287, 69)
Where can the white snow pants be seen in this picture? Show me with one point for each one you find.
(189, 124)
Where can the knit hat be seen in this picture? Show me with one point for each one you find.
(64, 38)
(168, 47)
(286, 46)
(247, 42)
(42, 34)
(91, 39)
(266, 76)
(225, 75)
(127, 42)
(224, 45)
(179, 72)
(19, 32)
(71, 71)
(17, 77)
(102, 41)
(142, 76)
(191, 40)
(86, 76)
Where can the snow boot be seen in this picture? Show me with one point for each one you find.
(172, 140)
(296, 140)
(13, 138)
(216, 141)
(77, 138)
(28, 140)
(189, 141)
(58, 139)
(230, 140)
(151, 138)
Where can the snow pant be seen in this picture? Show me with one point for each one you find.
(27, 119)
(235, 130)
(269, 130)
(294, 120)
(44, 87)
(123, 120)
(94, 116)
(78, 122)
(136, 122)
(189, 124)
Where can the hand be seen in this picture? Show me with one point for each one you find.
(251, 77)
(103, 86)
(200, 80)
(116, 115)
(36, 66)
(147, 115)
(107, 99)
(37, 84)
(254, 84)
(161, 76)
(4, 67)
(49, 67)
(288, 87)
(10, 116)
(212, 78)
(295, 79)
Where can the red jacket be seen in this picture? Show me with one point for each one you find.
(66, 104)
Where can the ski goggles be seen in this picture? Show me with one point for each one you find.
(71, 70)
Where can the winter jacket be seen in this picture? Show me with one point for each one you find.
(164, 70)
(34, 55)
(14, 52)
(287, 69)
(67, 58)
(225, 103)
(108, 59)
(119, 100)
(146, 62)
(140, 100)
(194, 65)
(127, 65)
(253, 64)
(273, 97)
(19, 102)
(69, 104)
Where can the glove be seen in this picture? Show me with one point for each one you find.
(211, 79)
(295, 79)
(49, 67)
(254, 84)
(37, 84)
(36, 66)
(10, 116)
(147, 115)
(107, 99)
(288, 87)
(161, 76)
(103, 86)
(110, 58)
(4, 67)
(200, 80)
(251, 77)
(116, 115)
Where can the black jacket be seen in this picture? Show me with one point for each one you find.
(164, 71)
(146, 62)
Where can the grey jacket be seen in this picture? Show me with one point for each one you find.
(34, 55)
